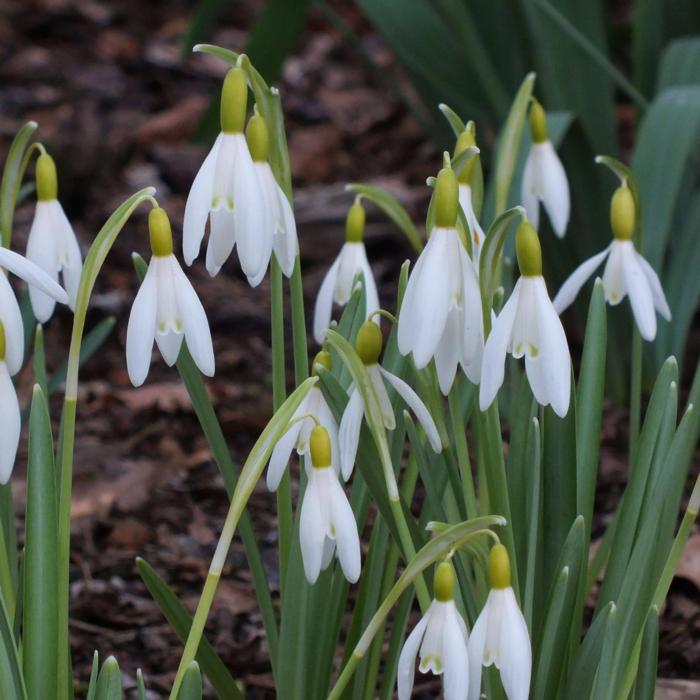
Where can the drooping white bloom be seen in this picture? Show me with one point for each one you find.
(10, 314)
(327, 524)
(477, 233)
(369, 347)
(441, 314)
(544, 179)
(314, 406)
(337, 284)
(626, 273)
(440, 638)
(500, 635)
(11, 423)
(52, 244)
(228, 191)
(167, 310)
(529, 325)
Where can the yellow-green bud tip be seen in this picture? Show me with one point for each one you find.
(2, 342)
(446, 201)
(160, 232)
(320, 445)
(538, 123)
(355, 223)
(499, 567)
(322, 358)
(258, 139)
(369, 343)
(527, 247)
(444, 582)
(466, 140)
(623, 214)
(234, 101)
(46, 179)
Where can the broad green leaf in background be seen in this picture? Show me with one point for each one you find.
(680, 64)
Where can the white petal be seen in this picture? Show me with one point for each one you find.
(657, 291)
(328, 552)
(222, 239)
(324, 302)
(194, 321)
(169, 344)
(31, 274)
(312, 531)
(613, 275)
(456, 659)
(283, 450)
(530, 188)
(371, 296)
(515, 654)
(350, 256)
(349, 434)
(493, 365)
(640, 296)
(476, 646)
(72, 258)
(472, 318)
(554, 186)
(198, 205)
(572, 286)
(477, 233)
(11, 318)
(10, 426)
(385, 407)
(285, 242)
(347, 540)
(42, 244)
(447, 353)
(407, 659)
(141, 329)
(417, 406)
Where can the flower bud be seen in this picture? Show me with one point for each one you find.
(446, 199)
(527, 248)
(538, 123)
(499, 567)
(161, 234)
(320, 447)
(369, 343)
(234, 101)
(466, 140)
(258, 138)
(444, 582)
(2, 342)
(623, 213)
(46, 180)
(355, 223)
(322, 358)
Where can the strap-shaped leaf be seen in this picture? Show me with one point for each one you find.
(680, 63)
(191, 688)
(109, 682)
(453, 119)
(11, 680)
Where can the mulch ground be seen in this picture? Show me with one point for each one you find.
(117, 107)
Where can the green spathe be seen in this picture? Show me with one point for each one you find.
(160, 233)
(355, 223)
(623, 213)
(499, 567)
(369, 343)
(258, 138)
(446, 199)
(444, 582)
(527, 248)
(538, 122)
(320, 447)
(234, 101)
(466, 140)
(46, 179)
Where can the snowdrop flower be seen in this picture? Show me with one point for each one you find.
(626, 271)
(327, 524)
(441, 313)
(10, 314)
(337, 284)
(314, 407)
(369, 347)
(466, 140)
(52, 244)
(500, 634)
(529, 325)
(227, 190)
(11, 423)
(166, 309)
(544, 179)
(440, 638)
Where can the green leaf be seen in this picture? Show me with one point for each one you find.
(140, 685)
(645, 685)
(40, 574)
(92, 685)
(11, 680)
(453, 119)
(12, 179)
(647, 40)
(680, 63)
(180, 620)
(109, 682)
(191, 688)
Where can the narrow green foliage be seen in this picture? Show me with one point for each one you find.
(191, 688)
(109, 682)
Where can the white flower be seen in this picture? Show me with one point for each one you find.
(529, 325)
(500, 635)
(11, 423)
(337, 284)
(369, 347)
(10, 314)
(544, 179)
(441, 640)
(227, 189)
(327, 524)
(626, 273)
(477, 233)
(166, 309)
(297, 437)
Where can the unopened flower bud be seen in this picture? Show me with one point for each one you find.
(623, 213)
(320, 447)
(466, 140)
(234, 101)
(322, 358)
(258, 138)
(161, 234)
(46, 180)
(446, 199)
(369, 343)
(355, 223)
(444, 582)
(499, 567)
(527, 248)
(538, 123)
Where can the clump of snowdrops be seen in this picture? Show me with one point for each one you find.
(477, 564)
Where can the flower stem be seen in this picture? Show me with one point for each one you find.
(465, 466)
(635, 393)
